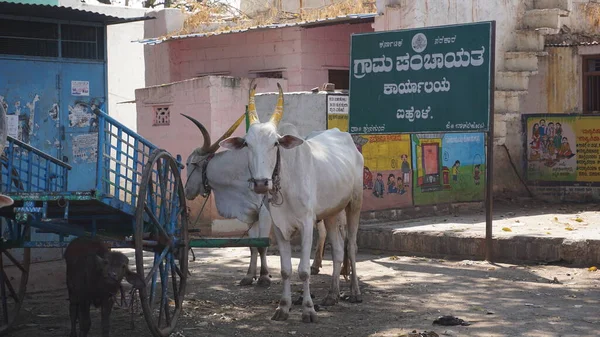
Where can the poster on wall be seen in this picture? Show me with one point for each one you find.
(387, 179)
(337, 112)
(562, 149)
(448, 167)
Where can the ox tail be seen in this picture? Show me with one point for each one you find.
(346, 263)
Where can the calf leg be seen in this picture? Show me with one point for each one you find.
(353, 217)
(73, 308)
(265, 278)
(84, 318)
(333, 226)
(320, 252)
(251, 274)
(285, 252)
(107, 306)
(309, 314)
(265, 224)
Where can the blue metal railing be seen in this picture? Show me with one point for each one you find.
(25, 169)
(122, 156)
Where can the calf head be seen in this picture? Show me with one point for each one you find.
(263, 143)
(197, 162)
(114, 266)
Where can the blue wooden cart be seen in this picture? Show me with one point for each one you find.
(131, 197)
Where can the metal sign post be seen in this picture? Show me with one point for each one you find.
(489, 180)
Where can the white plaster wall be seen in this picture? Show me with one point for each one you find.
(402, 14)
(584, 17)
(306, 110)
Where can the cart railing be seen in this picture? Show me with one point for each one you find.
(26, 169)
(123, 154)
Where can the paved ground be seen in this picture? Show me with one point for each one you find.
(401, 294)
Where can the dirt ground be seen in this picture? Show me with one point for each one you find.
(400, 294)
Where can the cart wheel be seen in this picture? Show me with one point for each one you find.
(161, 230)
(14, 272)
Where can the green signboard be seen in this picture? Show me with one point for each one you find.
(434, 79)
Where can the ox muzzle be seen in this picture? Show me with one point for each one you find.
(261, 186)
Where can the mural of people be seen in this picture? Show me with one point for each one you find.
(401, 187)
(391, 184)
(565, 149)
(542, 127)
(378, 188)
(477, 174)
(367, 179)
(455, 170)
(405, 167)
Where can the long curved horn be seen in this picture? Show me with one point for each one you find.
(227, 133)
(252, 115)
(278, 113)
(206, 145)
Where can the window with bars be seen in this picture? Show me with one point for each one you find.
(46, 39)
(591, 84)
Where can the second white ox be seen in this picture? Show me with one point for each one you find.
(226, 173)
(306, 180)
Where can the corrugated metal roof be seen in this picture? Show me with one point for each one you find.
(573, 44)
(62, 13)
(350, 18)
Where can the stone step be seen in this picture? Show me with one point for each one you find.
(533, 39)
(565, 5)
(500, 129)
(522, 60)
(507, 101)
(513, 80)
(543, 18)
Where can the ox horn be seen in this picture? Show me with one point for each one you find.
(278, 113)
(227, 133)
(206, 145)
(252, 115)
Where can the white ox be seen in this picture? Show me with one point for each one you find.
(226, 173)
(306, 180)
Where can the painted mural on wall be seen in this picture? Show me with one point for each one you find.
(387, 181)
(448, 167)
(563, 148)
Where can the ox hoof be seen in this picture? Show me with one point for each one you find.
(281, 315)
(309, 316)
(314, 270)
(330, 300)
(264, 281)
(247, 281)
(355, 298)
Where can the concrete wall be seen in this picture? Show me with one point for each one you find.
(584, 18)
(558, 86)
(256, 6)
(306, 110)
(303, 55)
(215, 101)
(403, 14)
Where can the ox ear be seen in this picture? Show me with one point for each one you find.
(289, 141)
(5, 201)
(134, 279)
(233, 143)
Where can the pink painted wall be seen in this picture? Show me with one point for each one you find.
(215, 101)
(325, 48)
(303, 54)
